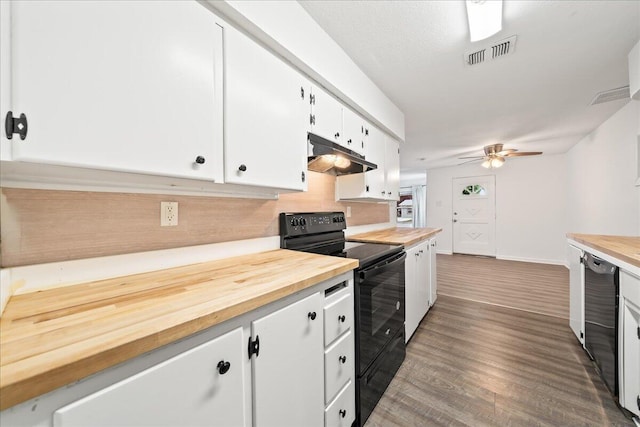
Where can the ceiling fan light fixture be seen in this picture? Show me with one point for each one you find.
(486, 164)
(496, 162)
(485, 18)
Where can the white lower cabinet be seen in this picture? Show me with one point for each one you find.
(417, 290)
(288, 370)
(202, 386)
(341, 412)
(630, 338)
(289, 363)
(433, 271)
(339, 358)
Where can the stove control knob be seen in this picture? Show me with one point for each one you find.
(294, 221)
(303, 221)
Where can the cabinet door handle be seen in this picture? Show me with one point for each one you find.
(343, 359)
(312, 315)
(301, 92)
(342, 318)
(343, 413)
(389, 192)
(223, 367)
(337, 135)
(349, 142)
(242, 168)
(200, 160)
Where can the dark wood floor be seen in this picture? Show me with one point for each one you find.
(478, 364)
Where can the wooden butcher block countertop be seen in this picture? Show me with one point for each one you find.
(396, 236)
(625, 248)
(54, 337)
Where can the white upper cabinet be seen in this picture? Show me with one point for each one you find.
(266, 117)
(124, 86)
(353, 136)
(326, 115)
(392, 169)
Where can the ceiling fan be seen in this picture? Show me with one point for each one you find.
(494, 155)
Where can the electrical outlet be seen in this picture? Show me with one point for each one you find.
(168, 214)
(348, 211)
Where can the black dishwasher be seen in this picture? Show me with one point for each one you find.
(601, 291)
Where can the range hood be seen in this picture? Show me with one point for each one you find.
(328, 157)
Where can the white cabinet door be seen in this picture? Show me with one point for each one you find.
(392, 169)
(326, 113)
(288, 372)
(195, 388)
(412, 310)
(630, 337)
(266, 117)
(576, 292)
(433, 271)
(353, 129)
(417, 286)
(131, 86)
(376, 152)
(423, 276)
(631, 344)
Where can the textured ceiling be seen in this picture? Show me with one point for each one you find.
(536, 99)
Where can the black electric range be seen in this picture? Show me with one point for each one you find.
(379, 304)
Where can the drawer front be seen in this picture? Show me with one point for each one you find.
(338, 366)
(341, 412)
(338, 317)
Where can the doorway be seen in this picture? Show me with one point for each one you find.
(474, 215)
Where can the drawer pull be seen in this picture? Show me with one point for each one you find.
(223, 367)
(342, 359)
(342, 318)
(343, 413)
(312, 315)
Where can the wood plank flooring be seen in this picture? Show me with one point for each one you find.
(540, 288)
(478, 364)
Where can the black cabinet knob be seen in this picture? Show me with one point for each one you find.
(349, 142)
(242, 168)
(337, 135)
(343, 359)
(312, 315)
(342, 318)
(343, 413)
(200, 160)
(223, 367)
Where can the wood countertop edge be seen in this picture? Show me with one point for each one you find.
(16, 387)
(588, 240)
(399, 240)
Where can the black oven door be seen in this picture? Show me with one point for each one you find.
(380, 307)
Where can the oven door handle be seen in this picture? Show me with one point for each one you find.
(381, 268)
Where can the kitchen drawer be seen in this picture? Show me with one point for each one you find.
(338, 315)
(341, 412)
(338, 365)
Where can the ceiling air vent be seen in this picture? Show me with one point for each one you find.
(611, 95)
(495, 50)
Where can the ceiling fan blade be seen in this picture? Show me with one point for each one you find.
(524, 153)
(471, 157)
(470, 161)
(507, 151)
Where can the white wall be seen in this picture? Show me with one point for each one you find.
(530, 207)
(602, 170)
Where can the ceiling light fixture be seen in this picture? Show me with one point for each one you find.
(485, 18)
(493, 162)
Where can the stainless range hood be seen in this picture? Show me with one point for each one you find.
(328, 157)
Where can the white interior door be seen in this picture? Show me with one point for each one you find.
(474, 215)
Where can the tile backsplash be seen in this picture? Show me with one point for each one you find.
(39, 226)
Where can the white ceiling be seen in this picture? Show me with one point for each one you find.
(536, 99)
